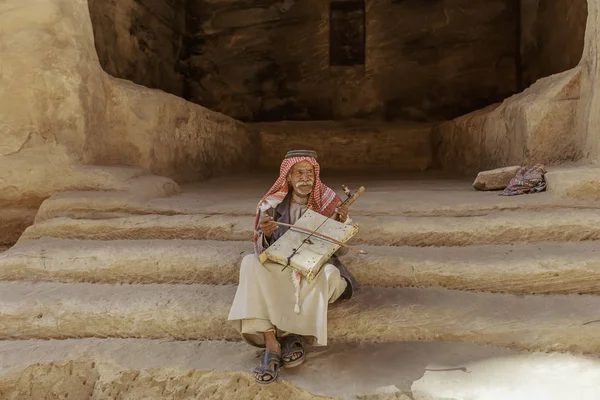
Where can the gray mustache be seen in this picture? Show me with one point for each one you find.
(306, 183)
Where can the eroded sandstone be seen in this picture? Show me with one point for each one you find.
(420, 370)
(575, 182)
(408, 195)
(408, 47)
(495, 179)
(61, 311)
(543, 268)
(81, 380)
(58, 114)
(560, 225)
(141, 41)
(350, 145)
(535, 126)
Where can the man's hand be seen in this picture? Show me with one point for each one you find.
(267, 226)
(342, 212)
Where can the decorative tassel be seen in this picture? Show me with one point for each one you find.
(296, 278)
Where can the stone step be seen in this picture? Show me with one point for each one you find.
(560, 268)
(539, 323)
(425, 370)
(575, 182)
(506, 227)
(428, 194)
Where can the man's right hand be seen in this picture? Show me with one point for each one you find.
(267, 226)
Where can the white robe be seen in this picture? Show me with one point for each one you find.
(266, 296)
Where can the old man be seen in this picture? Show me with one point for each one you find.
(276, 308)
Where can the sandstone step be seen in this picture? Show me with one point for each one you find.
(427, 370)
(560, 268)
(544, 323)
(124, 261)
(425, 194)
(564, 225)
(575, 182)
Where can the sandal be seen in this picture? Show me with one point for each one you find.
(292, 352)
(269, 367)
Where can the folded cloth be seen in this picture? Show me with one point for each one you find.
(528, 180)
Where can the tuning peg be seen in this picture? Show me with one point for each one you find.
(346, 190)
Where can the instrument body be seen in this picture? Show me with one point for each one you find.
(309, 253)
(308, 244)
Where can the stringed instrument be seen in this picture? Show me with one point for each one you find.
(308, 244)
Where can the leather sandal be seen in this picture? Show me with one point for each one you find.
(268, 368)
(292, 346)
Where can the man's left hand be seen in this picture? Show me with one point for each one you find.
(342, 212)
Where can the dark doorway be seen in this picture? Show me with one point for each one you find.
(347, 33)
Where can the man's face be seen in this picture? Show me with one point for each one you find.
(302, 178)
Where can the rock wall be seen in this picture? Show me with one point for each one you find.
(269, 60)
(588, 117)
(60, 112)
(349, 145)
(141, 40)
(170, 136)
(535, 126)
(552, 36)
(550, 121)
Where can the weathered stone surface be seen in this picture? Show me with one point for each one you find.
(399, 194)
(126, 261)
(544, 323)
(241, 62)
(70, 380)
(349, 146)
(50, 79)
(385, 394)
(79, 124)
(89, 380)
(427, 370)
(26, 187)
(552, 36)
(575, 182)
(401, 363)
(495, 179)
(211, 227)
(157, 384)
(141, 41)
(58, 112)
(560, 268)
(170, 136)
(535, 126)
(13, 222)
(588, 114)
(506, 227)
